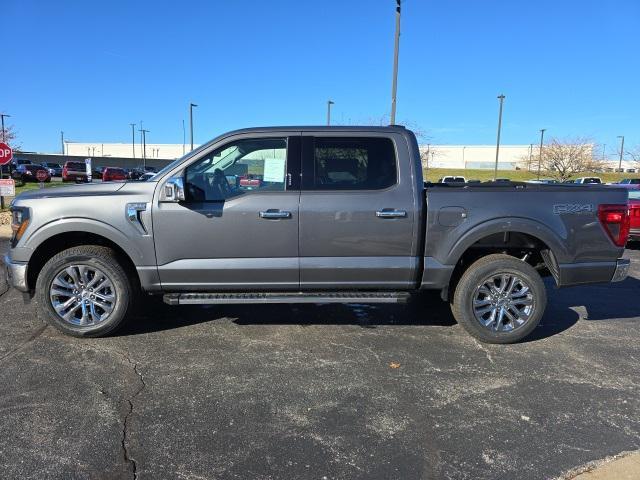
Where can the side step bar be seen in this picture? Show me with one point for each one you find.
(285, 297)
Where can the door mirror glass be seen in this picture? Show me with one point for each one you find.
(173, 190)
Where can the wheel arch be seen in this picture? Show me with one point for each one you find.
(57, 242)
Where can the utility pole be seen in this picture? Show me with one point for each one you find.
(495, 170)
(542, 130)
(394, 85)
(621, 152)
(183, 136)
(144, 132)
(133, 139)
(329, 103)
(191, 105)
(604, 149)
(141, 139)
(2, 115)
(530, 156)
(62, 141)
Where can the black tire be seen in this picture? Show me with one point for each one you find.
(102, 258)
(471, 283)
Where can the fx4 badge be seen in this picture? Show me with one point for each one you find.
(563, 208)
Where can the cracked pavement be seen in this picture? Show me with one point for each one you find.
(308, 392)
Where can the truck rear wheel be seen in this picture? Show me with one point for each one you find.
(499, 299)
(84, 291)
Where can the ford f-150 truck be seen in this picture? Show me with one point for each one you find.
(312, 215)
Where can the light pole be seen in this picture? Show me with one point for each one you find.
(495, 170)
(62, 141)
(133, 139)
(394, 85)
(144, 147)
(542, 130)
(464, 164)
(329, 103)
(530, 156)
(621, 137)
(184, 136)
(191, 105)
(2, 115)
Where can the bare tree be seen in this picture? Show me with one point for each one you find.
(563, 159)
(10, 136)
(635, 154)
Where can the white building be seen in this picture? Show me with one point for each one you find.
(433, 156)
(168, 151)
(476, 156)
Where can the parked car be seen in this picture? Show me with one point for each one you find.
(17, 162)
(146, 176)
(588, 180)
(630, 181)
(451, 179)
(28, 172)
(113, 174)
(345, 219)
(74, 172)
(96, 171)
(634, 213)
(134, 173)
(546, 181)
(54, 169)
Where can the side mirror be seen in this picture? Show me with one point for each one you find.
(173, 190)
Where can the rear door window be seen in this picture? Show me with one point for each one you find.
(349, 163)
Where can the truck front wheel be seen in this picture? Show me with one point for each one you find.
(84, 291)
(499, 299)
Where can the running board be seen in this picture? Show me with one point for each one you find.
(285, 297)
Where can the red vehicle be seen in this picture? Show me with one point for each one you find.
(74, 172)
(634, 213)
(111, 174)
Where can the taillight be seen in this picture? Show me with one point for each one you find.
(616, 222)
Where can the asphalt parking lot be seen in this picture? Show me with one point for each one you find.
(336, 392)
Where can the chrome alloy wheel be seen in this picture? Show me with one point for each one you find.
(503, 302)
(82, 295)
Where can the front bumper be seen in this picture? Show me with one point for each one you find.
(16, 274)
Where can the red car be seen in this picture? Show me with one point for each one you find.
(74, 172)
(111, 174)
(634, 213)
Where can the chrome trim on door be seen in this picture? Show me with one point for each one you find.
(275, 214)
(388, 213)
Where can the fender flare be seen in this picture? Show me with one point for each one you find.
(84, 225)
(509, 224)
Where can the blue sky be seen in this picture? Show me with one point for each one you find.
(91, 68)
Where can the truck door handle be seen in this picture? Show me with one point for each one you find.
(273, 214)
(391, 213)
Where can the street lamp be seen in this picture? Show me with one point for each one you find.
(542, 130)
(394, 85)
(464, 164)
(144, 147)
(133, 139)
(621, 152)
(495, 171)
(329, 103)
(191, 105)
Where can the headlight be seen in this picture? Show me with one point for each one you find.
(19, 222)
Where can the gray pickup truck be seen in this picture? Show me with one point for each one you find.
(312, 215)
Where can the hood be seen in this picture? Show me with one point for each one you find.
(81, 190)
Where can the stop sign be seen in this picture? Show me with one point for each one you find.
(42, 175)
(6, 154)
